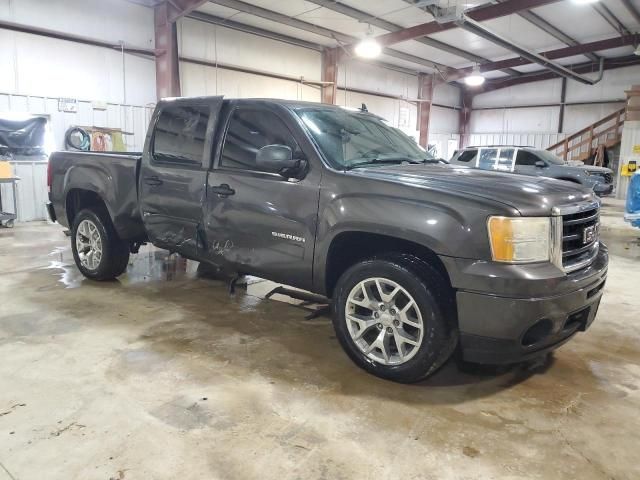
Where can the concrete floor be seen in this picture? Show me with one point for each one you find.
(164, 375)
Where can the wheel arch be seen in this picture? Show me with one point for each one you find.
(78, 199)
(350, 247)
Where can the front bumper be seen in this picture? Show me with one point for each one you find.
(501, 325)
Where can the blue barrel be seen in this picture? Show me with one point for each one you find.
(632, 213)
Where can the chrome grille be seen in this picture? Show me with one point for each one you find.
(606, 177)
(580, 236)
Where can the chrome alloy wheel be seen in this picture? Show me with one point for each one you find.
(384, 321)
(89, 244)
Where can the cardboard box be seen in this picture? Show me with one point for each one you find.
(6, 170)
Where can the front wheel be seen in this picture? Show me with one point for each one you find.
(391, 317)
(97, 250)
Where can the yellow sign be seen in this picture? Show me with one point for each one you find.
(636, 149)
(629, 169)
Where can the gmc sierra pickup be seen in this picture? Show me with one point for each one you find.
(418, 257)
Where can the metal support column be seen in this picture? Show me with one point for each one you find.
(167, 62)
(563, 98)
(464, 126)
(425, 97)
(330, 58)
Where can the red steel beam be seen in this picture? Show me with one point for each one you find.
(425, 94)
(464, 123)
(45, 32)
(590, 67)
(482, 13)
(167, 62)
(330, 59)
(560, 53)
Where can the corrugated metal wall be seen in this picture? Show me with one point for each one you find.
(32, 187)
(129, 118)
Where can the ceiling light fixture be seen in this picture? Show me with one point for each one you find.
(368, 47)
(475, 78)
(584, 2)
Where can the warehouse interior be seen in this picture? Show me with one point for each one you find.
(170, 372)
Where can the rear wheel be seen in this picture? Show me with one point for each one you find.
(390, 317)
(97, 250)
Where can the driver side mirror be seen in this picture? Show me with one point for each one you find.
(540, 164)
(279, 159)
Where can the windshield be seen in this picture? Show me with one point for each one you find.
(549, 157)
(353, 139)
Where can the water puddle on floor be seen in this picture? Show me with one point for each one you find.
(150, 264)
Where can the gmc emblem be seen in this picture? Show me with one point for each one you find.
(589, 234)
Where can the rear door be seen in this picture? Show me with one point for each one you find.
(259, 222)
(173, 172)
(506, 157)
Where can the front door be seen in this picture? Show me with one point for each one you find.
(258, 222)
(526, 163)
(173, 172)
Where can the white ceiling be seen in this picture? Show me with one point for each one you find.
(581, 22)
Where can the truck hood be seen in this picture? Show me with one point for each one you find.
(592, 169)
(581, 166)
(531, 196)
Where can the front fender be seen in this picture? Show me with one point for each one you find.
(448, 225)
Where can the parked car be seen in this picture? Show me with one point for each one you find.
(534, 161)
(416, 256)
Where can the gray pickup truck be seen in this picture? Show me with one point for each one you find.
(535, 162)
(419, 258)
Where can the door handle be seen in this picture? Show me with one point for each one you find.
(154, 181)
(223, 190)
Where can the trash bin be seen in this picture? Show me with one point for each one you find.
(7, 219)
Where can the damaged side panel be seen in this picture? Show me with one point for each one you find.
(173, 174)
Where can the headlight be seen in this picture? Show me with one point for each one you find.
(520, 239)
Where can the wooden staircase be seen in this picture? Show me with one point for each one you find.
(586, 143)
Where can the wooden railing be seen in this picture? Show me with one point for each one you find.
(584, 144)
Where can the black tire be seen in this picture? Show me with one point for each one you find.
(115, 252)
(433, 297)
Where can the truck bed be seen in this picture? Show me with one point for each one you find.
(112, 176)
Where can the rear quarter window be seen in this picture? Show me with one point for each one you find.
(180, 135)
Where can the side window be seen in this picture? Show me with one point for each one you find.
(180, 135)
(505, 160)
(487, 158)
(467, 156)
(525, 158)
(250, 130)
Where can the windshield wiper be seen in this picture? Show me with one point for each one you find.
(375, 161)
